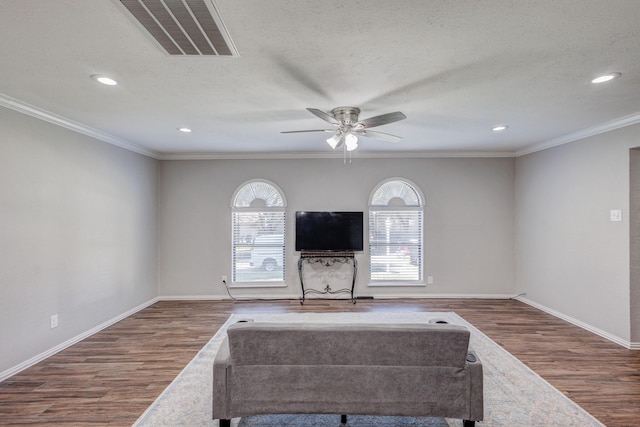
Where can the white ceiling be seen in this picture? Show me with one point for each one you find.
(456, 68)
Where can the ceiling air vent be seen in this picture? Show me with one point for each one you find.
(183, 27)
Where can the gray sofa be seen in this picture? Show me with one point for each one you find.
(369, 369)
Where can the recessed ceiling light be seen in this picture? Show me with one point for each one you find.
(184, 130)
(104, 80)
(499, 128)
(606, 77)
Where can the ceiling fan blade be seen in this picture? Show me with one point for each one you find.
(379, 135)
(324, 116)
(382, 119)
(297, 75)
(310, 130)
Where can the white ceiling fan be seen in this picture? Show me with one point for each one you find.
(348, 127)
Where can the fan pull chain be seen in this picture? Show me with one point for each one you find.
(345, 154)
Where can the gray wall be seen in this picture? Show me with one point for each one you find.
(77, 234)
(469, 219)
(89, 231)
(634, 235)
(570, 257)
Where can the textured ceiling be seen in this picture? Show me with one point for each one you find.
(456, 68)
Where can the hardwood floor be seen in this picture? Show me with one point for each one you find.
(110, 378)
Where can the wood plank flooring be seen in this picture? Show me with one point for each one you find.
(110, 378)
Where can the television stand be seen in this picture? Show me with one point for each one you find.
(327, 259)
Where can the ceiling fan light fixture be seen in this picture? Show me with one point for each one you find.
(333, 141)
(348, 127)
(351, 142)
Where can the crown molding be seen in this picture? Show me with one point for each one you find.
(632, 119)
(331, 155)
(39, 113)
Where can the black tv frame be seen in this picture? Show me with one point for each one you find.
(329, 231)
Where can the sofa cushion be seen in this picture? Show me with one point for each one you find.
(397, 344)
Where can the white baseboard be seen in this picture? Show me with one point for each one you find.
(42, 356)
(604, 334)
(193, 298)
(443, 296)
(248, 297)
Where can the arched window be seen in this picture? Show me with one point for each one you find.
(395, 233)
(258, 234)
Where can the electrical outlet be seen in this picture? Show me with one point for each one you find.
(54, 321)
(429, 280)
(224, 279)
(615, 215)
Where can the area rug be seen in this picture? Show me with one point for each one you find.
(514, 395)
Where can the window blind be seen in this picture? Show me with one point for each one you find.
(258, 245)
(395, 244)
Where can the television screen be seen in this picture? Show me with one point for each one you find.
(329, 231)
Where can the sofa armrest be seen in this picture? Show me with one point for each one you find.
(221, 364)
(476, 406)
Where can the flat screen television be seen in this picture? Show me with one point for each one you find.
(329, 231)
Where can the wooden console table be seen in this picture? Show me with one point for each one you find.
(328, 259)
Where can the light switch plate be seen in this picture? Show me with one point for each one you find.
(54, 321)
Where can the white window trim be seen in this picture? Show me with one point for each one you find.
(258, 284)
(266, 181)
(421, 207)
(397, 178)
